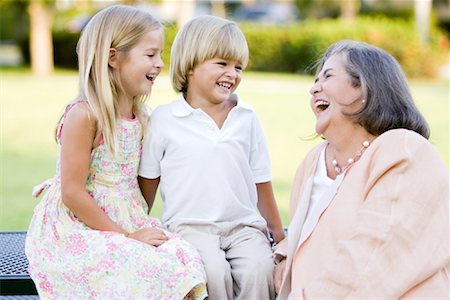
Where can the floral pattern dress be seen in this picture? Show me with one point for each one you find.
(68, 260)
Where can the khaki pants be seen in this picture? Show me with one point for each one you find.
(237, 259)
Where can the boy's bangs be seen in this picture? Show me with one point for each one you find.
(231, 46)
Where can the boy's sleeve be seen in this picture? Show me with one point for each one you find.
(152, 152)
(259, 155)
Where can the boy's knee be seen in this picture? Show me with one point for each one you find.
(218, 270)
(258, 268)
(220, 282)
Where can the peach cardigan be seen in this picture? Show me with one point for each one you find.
(385, 234)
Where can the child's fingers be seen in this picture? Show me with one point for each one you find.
(159, 237)
(156, 242)
(152, 236)
(158, 233)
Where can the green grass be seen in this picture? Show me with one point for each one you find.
(30, 108)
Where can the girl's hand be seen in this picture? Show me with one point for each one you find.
(152, 236)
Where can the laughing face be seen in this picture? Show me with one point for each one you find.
(139, 67)
(213, 81)
(332, 95)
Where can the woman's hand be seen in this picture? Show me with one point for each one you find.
(152, 236)
(278, 273)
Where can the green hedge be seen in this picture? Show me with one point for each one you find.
(64, 49)
(294, 48)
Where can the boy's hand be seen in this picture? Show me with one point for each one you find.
(277, 235)
(152, 236)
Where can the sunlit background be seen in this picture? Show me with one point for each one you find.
(38, 74)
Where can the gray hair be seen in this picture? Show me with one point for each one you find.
(388, 101)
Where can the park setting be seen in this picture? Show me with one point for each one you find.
(92, 219)
(31, 107)
(276, 83)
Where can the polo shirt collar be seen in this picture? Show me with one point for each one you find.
(182, 109)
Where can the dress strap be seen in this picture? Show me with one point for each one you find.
(61, 121)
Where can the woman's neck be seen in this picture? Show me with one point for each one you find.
(345, 149)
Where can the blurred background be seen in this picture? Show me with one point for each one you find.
(38, 73)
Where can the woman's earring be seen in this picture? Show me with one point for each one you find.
(363, 101)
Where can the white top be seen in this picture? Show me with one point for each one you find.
(322, 192)
(207, 174)
(321, 181)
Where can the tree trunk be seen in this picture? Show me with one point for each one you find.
(41, 45)
(350, 9)
(186, 11)
(422, 12)
(248, 2)
(218, 8)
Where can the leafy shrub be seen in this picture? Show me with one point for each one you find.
(296, 47)
(64, 49)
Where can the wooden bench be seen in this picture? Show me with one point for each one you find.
(15, 282)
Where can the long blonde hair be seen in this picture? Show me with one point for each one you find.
(120, 27)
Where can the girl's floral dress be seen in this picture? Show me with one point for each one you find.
(68, 260)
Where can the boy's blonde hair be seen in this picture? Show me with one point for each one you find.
(120, 27)
(203, 38)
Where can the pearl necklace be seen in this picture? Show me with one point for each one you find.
(339, 170)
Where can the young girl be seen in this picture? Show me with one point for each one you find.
(209, 152)
(90, 237)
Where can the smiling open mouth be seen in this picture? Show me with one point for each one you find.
(150, 77)
(321, 105)
(224, 85)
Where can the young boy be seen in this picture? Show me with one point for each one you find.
(209, 153)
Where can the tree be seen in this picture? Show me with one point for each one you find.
(422, 12)
(318, 9)
(350, 9)
(218, 8)
(186, 10)
(41, 45)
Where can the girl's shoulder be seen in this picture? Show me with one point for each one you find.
(79, 114)
(79, 110)
(76, 102)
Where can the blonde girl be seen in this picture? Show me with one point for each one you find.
(90, 236)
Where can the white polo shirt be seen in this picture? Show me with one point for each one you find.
(207, 174)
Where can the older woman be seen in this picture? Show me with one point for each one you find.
(369, 205)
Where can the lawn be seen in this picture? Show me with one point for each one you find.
(30, 108)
